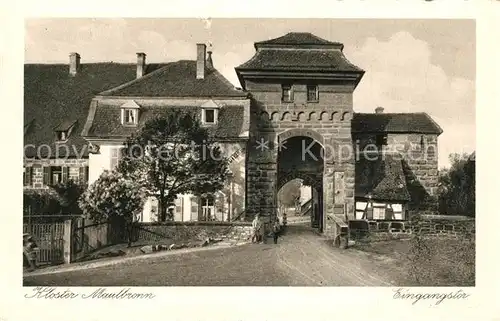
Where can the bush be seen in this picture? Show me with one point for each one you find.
(69, 194)
(440, 261)
(116, 198)
(52, 202)
(42, 202)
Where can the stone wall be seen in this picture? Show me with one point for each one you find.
(180, 231)
(428, 226)
(420, 164)
(273, 120)
(77, 170)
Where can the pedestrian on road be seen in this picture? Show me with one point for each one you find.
(29, 251)
(257, 229)
(276, 230)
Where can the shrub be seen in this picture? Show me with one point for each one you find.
(441, 261)
(113, 197)
(69, 194)
(38, 202)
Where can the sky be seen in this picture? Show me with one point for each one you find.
(411, 65)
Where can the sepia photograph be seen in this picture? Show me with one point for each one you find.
(249, 152)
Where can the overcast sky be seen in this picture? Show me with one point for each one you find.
(411, 65)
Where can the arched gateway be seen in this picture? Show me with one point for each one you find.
(300, 124)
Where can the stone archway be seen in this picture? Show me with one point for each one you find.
(301, 132)
(300, 155)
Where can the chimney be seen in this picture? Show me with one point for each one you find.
(210, 63)
(74, 63)
(379, 110)
(200, 60)
(141, 64)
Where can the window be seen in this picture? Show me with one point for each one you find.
(312, 93)
(130, 113)
(83, 175)
(116, 154)
(398, 211)
(27, 175)
(379, 212)
(286, 93)
(208, 208)
(53, 175)
(62, 136)
(381, 140)
(178, 208)
(130, 117)
(56, 175)
(209, 116)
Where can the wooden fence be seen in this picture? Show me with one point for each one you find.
(87, 238)
(50, 240)
(71, 240)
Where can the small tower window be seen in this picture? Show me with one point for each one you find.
(312, 93)
(287, 93)
(381, 140)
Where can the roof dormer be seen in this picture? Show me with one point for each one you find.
(130, 113)
(209, 113)
(63, 130)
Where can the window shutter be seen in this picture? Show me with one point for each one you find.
(369, 213)
(178, 209)
(65, 174)
(389, 213)
(84, 175)
(46, 176)
(29, 175)
(194, 208)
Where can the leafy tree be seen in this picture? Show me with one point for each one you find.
(113, 197)
(53, 202)
(457, 186)
(69, 193)
(290, 193)
(173, 155)
(41, 202)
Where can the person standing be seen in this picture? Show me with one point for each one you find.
(29, 250)
(276, 230)
(256, 227)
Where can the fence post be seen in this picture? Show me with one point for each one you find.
(67, 241)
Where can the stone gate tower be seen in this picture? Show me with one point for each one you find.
(301, 88)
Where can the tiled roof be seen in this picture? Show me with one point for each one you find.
(299, 60)
(394, 123)
(297, 38)
(107, 121)
(178, 79)
(53, 98)
(383, 178)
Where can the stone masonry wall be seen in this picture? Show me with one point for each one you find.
(328, 121)
(420, 163)
(74, 169)
(176, 231)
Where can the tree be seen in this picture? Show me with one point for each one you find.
(42, 206)
(173, 155)
(69, 193)
(51, 204)
(457, 186)
(290, 193)
(113, 197)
